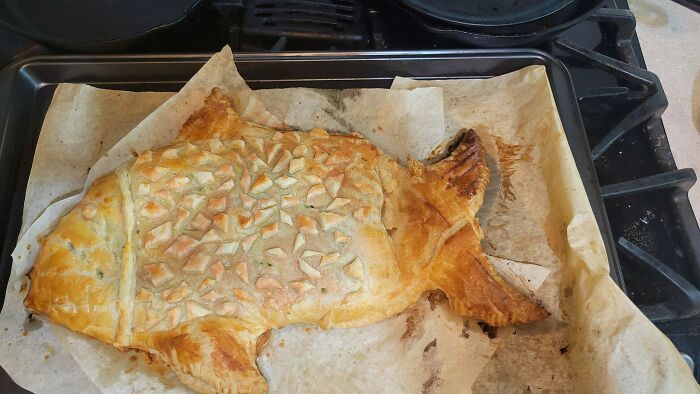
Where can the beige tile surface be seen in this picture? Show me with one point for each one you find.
(670, 38)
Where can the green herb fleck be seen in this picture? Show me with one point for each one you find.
(100, 274)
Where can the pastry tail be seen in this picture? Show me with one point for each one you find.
(455, 187)
(474, 289)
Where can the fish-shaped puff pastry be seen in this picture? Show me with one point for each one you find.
(195, 250)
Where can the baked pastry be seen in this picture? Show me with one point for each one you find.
(194, 250)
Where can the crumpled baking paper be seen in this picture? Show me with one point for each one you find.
(538, 247)
(607, 343)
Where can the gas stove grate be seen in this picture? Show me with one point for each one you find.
(338, 22)
(653, 104)
(685, 297)
(646, 196)
(659, 249)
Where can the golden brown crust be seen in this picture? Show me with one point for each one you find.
(236, 229)
(210, 354)
(433, 224)
(216, 119)
(455, 186)
(474, 289)
(75, 280)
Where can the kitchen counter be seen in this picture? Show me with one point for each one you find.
(669, 35)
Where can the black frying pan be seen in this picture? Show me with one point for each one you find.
(487, 15)
(533, 32)
(91, 25)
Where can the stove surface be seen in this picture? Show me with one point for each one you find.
(658, 241)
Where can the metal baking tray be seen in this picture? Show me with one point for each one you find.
(26, 89)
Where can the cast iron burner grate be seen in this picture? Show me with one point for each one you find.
(336, 22)
(672, 294)
(646, 195)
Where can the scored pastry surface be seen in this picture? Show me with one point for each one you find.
(231, 226)
(194, 250)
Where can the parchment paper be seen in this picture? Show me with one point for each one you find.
(298, 353)
(111, 371)
(407, 123)
(568, 239)
(63, 156)
(611, 346)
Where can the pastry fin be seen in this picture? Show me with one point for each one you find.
(211, 355)
(215, 119)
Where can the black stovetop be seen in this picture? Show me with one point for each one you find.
(658, 240)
